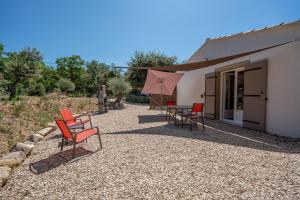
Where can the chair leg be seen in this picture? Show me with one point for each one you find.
(192, 122)
(74, 148)
(181, 121)
(202, 121)
(98, 133)
(174, 117)
(90, 121)
(62, 144)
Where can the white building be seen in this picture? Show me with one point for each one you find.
(250, 79)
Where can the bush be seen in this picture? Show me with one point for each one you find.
(19, 91)
(119, 87)
(36, 89)
(65, 85)
(138, 99)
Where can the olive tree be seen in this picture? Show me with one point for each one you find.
(119, 87)
(65, 85)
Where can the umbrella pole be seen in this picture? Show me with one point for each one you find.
(161, 112)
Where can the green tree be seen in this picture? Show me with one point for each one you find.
(151, 59)
(20, 67)
(119, 87)
(99, 74)
(65, 85)
(49, 77)
(36, 89)
(2, 58)
(1, 49)
(72, 68)
(3, 81)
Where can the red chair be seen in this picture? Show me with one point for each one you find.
(67, 116)
(168, 111)
(75, 137)
(171, 103)
(193, 116)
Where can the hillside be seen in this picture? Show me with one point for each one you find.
(21, 118)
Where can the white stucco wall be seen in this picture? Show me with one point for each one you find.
(283, 87)
(192, 85)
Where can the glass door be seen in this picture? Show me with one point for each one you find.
(232, 96)
(228, 95)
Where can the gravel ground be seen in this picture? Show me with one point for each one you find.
(146, 158)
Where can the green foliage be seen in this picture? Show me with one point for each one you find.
(138, 99)
(119, 87)
(98, 74)
(25, 71)
(72, 68)
(2, 58)
(49, 78)
(3, 85)
(21, 67)
(36, 89)
(65, 85)
(151, 59)
(1, 49)
(19, 90)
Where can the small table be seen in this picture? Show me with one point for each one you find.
(178, 109)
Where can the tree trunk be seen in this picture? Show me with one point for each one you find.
(12, 92)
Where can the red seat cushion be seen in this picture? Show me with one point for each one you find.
(171, 103)
(85, 134)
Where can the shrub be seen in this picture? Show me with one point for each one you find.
(138, 99)
(119, 87)
(36, 89)
(40, 88)
(65, 85)
(19, 91)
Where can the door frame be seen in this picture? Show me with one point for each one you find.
(222, 84)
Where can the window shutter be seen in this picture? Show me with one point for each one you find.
(255, 84)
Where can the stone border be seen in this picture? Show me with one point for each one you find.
(22, 150)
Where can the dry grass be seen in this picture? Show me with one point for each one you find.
(19, 119)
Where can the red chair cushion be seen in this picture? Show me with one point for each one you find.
(85, 134)
(197, 107)
(66, 114)
(63, 128)
(170, 103)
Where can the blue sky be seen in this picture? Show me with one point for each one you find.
(110, 31)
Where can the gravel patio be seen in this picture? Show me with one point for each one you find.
(146, 158)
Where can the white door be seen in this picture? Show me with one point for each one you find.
(232, 96)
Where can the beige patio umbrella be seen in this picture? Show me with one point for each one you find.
(162, 83)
